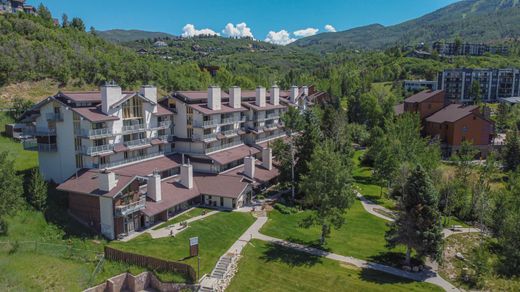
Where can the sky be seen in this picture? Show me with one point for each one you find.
(280, 21)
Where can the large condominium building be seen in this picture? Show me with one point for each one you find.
(13, 6)
(453, 49)
(494, 83)
(129, 160)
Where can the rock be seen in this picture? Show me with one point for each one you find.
(459, 256)
(416, 269)
(406, 268)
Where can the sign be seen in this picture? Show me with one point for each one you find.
(194, 246)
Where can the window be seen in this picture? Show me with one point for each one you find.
(190, 132)
(77, 143)
(79, 161)
(133, 108)
(103, 160)
(221, 201)
(99, 142)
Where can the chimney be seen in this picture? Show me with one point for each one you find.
(275, 95)
(187, 175)
(305, 90)
(267, 158)
(260, 96)
(107, 180)
(154, 186)
(214, 98)
(150, 92)
(294, 93)
(249, 167)
(110, 94)
(235, 97)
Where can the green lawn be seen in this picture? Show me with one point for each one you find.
(183, 217)
(24, 160)
(269, 267)
(216, 234)
(366, 186)
(362, 235)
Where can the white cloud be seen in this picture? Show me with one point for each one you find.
(189, 30)
(306, 32)
(279, 38)
(239, 31)
(330, 28)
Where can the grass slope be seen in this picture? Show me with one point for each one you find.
(23, 160)
(269, 267)
(183, 217)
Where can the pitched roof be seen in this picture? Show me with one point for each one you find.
(196, 95)
(233, 154)
(423, 95)
(268, 106)
(229, 186)
(162, 111)
(172, 193)
(87, 183)
(147, 167)
(93, 114)
(452, 113)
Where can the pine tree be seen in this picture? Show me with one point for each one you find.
(418, 225)
(327, 188)
(511, 154)
(37, 191)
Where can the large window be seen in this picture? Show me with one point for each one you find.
(133, 108)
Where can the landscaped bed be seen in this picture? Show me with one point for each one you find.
(216, 235)
(270, 267)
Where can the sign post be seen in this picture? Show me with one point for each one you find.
(194, 251)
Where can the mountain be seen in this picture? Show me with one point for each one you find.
(472, 20)
(123, 35)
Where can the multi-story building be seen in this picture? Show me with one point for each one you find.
(419, 85)
(453, 49)
(128, 160)
(13, 6)
(494, 83)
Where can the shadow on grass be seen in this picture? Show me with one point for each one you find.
(277, 253)
(394, 259)
(310, 243)
(374, 276)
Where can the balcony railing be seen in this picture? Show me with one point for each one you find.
(57, 117)
(229, 133)
(233, 120)
(33, 145)
(37, 131)
(94, 150)
(273, 116)
(97, 133)
(204, 137)
(138, 142)
(206, 124)
(163, 125)
(220, 147)
(133, 128)
(128, 160)
(131, 208)
(270, 137)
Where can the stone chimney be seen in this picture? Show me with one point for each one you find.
(260, 96)
(275, 95)
(107, 180)
(150, 92)
(294, 93)
(187, 175)
(249, 166)
(154, 186)
(235, 97)
(267, 158)
(110, 94)
(214, 98)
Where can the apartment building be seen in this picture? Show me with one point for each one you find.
(453, 49)
(14, 6)
(128, 160)
(419, 85)
(494, 83)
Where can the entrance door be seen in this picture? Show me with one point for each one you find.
(129, 224)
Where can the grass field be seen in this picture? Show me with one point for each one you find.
(23, 160)
(269, 267)
(216, 234)
(183, 217)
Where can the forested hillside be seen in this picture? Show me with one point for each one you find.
(471, 20)
(124, 35)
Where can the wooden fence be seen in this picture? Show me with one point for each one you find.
(150, 262)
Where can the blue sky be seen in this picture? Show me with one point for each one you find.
(261, 16)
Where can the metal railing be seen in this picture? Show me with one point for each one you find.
(203, 137)
(205, 124)
(231, 132)
(38, 131)
(128, 160)
(33, 145)
(138, 142)
(103, 132)
(220, 147)
(54, 117)
(133, 128)
(272, 136)
(162, 125)
(93, 150)
(232, 120)
(131, 208)
(273, 116)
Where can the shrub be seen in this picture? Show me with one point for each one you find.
(284, 209)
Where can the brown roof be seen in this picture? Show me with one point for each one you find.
(93, 114)
(162, 111)
(423, 95)
(399, 109)
(267, 106)
(86, 95)
(452, 113)
(172, 193)
(262, 174)
(233, 154)
(87, 183)
(224, 185)
(224, 108)
(147, 167)
(196, 95)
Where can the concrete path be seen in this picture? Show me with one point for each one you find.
(176, 228)
(371, 208)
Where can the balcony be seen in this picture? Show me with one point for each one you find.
(54, 117)
(133, 128)
(96, 150)
(138, 142)
(128, 160)
(221, 147)
(274, 135)
(205, 124)
(273, 116)
(97, 133)
(204, 137)
(33, 145)
(232, 120)
(130, 208)
(37, 131)
(230, 133)
(162, 125)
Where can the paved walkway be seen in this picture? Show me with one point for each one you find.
(371, 208)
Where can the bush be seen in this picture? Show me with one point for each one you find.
(285, 210)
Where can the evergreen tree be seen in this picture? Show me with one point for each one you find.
(307, 141)
(328, 190)
(10, 189)
(418, 223)
(510, 234)
(65, 20)
(511, 152)
(78, 24)
(44, 12)
(37, 191)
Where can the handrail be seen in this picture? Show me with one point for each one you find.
(220, 147)
(92, 150)
(128, 160)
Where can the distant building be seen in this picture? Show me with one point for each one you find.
(419, 85)
(494, 83)
(419, 54)
(14, 6)
(142, 51)
(160, 44)
(510, 100)
(452, 49)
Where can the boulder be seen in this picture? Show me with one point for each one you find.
(459, 256)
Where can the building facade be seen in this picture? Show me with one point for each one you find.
(14, 6)
(129, 160)
(419, 85)
(453, 49)
(494, 84)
